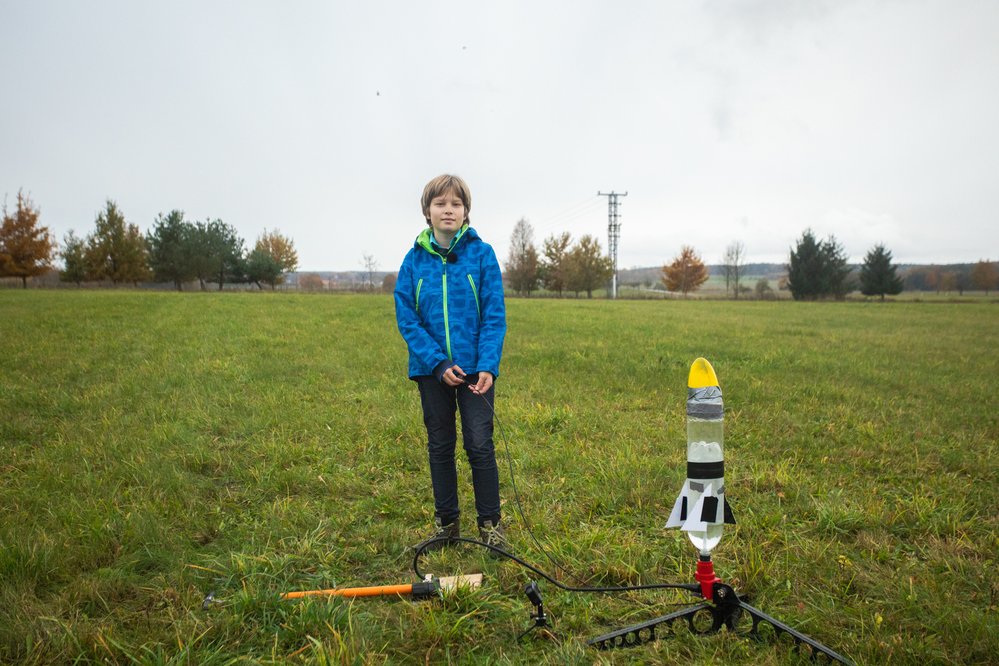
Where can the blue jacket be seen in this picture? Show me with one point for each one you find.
(449, 307)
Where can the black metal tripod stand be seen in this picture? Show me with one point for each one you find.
(725, 609)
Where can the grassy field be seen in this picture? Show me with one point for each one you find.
(158, 446)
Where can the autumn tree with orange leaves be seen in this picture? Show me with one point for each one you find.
(687, 272)
(26, 248)
(272, 257)
(311, 282)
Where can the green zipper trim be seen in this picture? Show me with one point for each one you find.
(423, 240)
(475, 292)
(418, 286)
(447, 328)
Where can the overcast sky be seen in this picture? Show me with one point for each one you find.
(752, 121)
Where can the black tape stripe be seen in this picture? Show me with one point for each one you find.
(709, 510)
(711, 470)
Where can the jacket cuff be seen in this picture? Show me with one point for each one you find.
(442, 367)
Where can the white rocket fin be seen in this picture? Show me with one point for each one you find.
(678, 515)
(696, 520)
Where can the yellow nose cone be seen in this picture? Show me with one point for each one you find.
(701, 375)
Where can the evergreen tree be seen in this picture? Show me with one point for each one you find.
(170, 243)
(262, 267)
(200, 253)
(818, 269)
(216, 253)
(878, 276)
(26, 248)
(230, 246)
(805, 269)
(836, 271)
(74, 257)
(134, 263)
(116, 250)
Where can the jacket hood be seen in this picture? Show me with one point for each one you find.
(465, 234)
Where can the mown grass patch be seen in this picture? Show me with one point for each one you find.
(156, 446)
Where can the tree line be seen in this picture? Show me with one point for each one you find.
(561, 266)
(982, 275)
(179, 251)
(816, 269)
(175, 250)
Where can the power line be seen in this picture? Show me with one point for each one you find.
(572, 212)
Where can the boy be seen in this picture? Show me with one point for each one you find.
(450, 311)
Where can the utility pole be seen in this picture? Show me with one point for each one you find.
(613, 233)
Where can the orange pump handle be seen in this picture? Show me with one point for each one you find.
(352, 592)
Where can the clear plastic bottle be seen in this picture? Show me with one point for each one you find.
(705, 444)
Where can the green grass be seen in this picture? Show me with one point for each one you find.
(157, 446)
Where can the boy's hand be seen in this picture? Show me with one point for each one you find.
(451, 376)
(484, 384)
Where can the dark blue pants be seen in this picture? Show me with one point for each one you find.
(439, 403)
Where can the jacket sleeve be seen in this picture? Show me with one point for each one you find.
(493, 328)
(420, 344)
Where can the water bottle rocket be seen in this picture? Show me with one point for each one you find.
(701, 509)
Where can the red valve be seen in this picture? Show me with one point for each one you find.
(706, 576)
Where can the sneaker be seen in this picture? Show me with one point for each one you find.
(494, 535)
(441, 531)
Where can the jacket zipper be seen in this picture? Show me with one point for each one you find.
(475, 292)
(419, 285)
(447, 328)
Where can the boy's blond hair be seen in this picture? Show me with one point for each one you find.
(442, 185)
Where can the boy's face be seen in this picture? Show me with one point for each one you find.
(447, 213)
